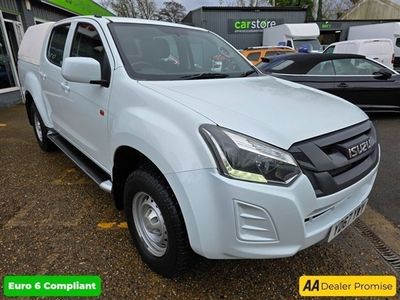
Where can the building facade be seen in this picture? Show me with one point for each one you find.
(15, 17)
(374, 10)
(338, 30)
(243, 26)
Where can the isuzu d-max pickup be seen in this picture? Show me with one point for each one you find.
(205, 154)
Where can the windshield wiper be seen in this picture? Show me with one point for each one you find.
(205, 76)
(245, 74)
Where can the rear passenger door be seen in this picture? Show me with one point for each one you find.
(86, 105)
(50, 74)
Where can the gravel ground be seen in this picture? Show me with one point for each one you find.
(386, 191)
(50, 211)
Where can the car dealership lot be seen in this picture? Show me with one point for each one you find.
(54, 220)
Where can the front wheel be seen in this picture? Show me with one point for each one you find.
(156, 223)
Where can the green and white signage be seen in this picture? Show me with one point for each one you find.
(52, 286)
(251, 25)
(80, 7)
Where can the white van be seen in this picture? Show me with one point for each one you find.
(378, 31)
(295, 36)
(380, 50)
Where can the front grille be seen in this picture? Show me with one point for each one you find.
(328, 163)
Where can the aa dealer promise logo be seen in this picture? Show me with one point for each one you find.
(346, 286)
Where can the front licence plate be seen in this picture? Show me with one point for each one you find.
(346, 221)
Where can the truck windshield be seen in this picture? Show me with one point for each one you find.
(159, 52)
(312, 45)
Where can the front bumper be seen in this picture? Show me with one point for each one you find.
(228, 218)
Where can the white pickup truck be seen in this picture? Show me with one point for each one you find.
(205, 154)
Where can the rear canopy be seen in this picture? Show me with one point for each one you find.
(33, 42)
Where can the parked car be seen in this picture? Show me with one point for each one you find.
(360, 80)
(380, 50)
(390, 30)
(211, 162)
(255, 54)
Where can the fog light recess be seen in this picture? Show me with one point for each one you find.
(253, 223)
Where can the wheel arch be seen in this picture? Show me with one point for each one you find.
(33, 94)
(126, 159)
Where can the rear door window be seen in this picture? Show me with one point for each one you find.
(55, 49)
(398, 42)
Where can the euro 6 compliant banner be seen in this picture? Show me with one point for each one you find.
(251, 25)
(51, 286)
(347, 286)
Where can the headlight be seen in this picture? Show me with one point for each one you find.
(242, 157)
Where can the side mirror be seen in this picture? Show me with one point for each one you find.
(382, 74)
(82, 70)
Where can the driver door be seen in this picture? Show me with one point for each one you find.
(86, 105)
(357, 81)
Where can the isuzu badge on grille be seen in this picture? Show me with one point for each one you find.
(358, 149)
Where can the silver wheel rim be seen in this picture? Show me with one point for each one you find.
(150, 224)
(38, 128)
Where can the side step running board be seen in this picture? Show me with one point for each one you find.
(83, 162)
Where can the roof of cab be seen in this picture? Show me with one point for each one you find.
(134, 21)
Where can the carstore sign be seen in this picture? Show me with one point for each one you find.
(251, 25)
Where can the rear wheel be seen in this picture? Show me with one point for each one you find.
(40, 131)
(156, 223)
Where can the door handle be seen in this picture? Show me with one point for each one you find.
(65, 86)
(43, 75)
(343, 85)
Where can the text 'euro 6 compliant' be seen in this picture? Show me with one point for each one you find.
(347, 286)
(52, 285)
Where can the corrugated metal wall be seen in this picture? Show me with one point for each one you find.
(220, 21)
(197, 18)
(344, 25)
(9, 6)
(48, 13)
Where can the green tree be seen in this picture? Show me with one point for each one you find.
(146, 9)
(172, 12)
(124, 8)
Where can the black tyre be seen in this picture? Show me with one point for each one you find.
(156, 223)
(40, 130)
